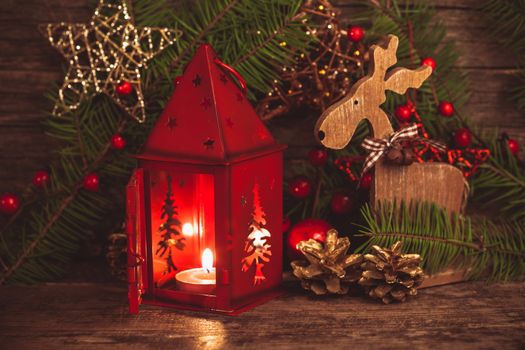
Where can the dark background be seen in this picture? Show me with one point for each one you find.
(29, 66)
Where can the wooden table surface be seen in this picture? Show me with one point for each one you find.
(94, 316)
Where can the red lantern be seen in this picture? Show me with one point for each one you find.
(204, 207)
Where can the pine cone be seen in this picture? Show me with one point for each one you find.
(328, 269)
(390, 275)
(116, 255)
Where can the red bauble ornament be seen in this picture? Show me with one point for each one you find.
(300, 187)
(9, 203)
(341, 203)
(446, 109)
(514, 146)
(118, 142)
(356, 33)
(287, 223)
(318, 156)
(304, 230)
(403, 113)
(429, 61)
(366, 181)
(41, 178)
(92, 182)
(463, 137)
(124, 88)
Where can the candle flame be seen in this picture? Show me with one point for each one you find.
(187, 229)
(207, 260)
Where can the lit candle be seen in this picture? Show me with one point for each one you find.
(200, 280)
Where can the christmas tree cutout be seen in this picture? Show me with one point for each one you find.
(257, 247)
(170, 230)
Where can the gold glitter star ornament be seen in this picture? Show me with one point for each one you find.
(105, 56)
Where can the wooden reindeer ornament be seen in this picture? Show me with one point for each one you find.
(439, 183)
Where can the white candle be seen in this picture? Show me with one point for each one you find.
(200, 280)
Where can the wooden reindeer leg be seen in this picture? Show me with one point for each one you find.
(401, 79)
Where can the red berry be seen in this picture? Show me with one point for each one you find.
(429, 61)
(446, 109)
(366, 181)
(463, 137)
(41, 178)
(304, 230)
(9, 203)
(124, 88)
(92, 182)
(341, 203)
(318, 156)
(286, 224)
(356, 33)
(300, 187)
(403, 113)
(514, 146)
(118, 142)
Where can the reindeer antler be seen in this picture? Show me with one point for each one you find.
(399, 79)
(337, 124)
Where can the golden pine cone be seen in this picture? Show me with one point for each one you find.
(328, 268)
(390, 275)
(117, 255)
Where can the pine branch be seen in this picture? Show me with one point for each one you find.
(489, 250)
(198, 39)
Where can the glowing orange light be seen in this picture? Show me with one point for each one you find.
(187, 229)
(207, 260)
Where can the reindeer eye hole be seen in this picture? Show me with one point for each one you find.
(356, 102)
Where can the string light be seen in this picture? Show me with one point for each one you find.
(105, 53)
(321, 76)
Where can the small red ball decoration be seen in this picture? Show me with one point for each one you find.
(41, 178)
(366, 181)
(463, 137)
(514, 146)
(118, 142)
(9, 203)
(318, 156)
(429, 61)
(356, 33)
(304, 230)
(300, 187)
(403, 113)
(341, 203)
(287, 223)
(124, 88)
(446, 109)
(92, 182)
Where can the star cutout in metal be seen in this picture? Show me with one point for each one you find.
(229, 122)
(206, 103)
(197, 81)
(104, 53)
(209, 143)
(172, 123)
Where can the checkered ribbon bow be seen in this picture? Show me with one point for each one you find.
(378, 148)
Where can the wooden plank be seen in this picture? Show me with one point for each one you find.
(80, 316)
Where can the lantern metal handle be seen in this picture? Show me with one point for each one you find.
(236, 74)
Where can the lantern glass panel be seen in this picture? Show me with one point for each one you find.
(182, 226)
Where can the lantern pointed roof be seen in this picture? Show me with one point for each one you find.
(208, 119)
